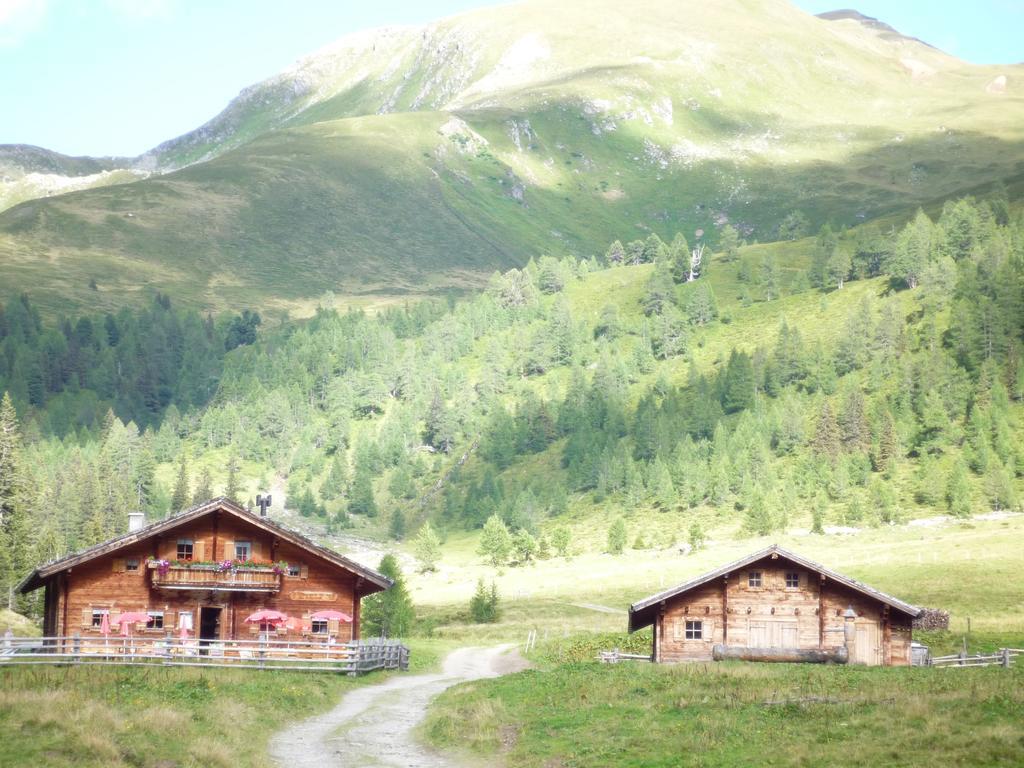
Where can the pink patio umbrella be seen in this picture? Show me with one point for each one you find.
(184, 633)
(129, 620)
(105, 629)
(267, 616)
(331, 616)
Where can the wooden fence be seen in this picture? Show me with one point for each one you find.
(1004, 657)
(349, 658)
(615, 656)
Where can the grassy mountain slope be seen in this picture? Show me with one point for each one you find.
(415, 158)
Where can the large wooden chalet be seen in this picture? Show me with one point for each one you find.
(776, 605)
(175, 571)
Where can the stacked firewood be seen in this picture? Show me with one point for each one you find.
(932, 618)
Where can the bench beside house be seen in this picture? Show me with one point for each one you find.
(776, 605)
(169, 570)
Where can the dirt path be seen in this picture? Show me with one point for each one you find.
(373, 726)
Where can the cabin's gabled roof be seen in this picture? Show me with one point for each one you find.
(39, 576)
(642, 613)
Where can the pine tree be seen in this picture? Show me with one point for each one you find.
(389, 613)
(958, 492)
(483, 606)
(204, 488)
(397, 528)
(15, 527)
(233, 487)
(617, 537)
(560, 540)
(181, 495)
(738, 383)
(439, 429)
(361, 500)
(524, 547)
(495, 541)
(826, 435)
(696, 536)
(427, 548)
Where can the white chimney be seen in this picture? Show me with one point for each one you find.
(136, 521)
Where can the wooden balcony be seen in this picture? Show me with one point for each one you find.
(209, 577)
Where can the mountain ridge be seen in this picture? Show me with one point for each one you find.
(516, 129)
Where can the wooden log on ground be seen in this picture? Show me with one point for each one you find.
(790, 655)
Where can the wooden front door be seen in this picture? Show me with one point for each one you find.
(209, 624)
(867, 646)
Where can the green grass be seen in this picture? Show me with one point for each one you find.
(717, 715)
(158, 718)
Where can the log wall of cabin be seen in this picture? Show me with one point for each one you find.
(807, 616)
(773, 614)
(104, 583)
(702, 604)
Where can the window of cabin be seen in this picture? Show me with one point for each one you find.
(185, 620)
(185, 548)
(97, 616)
(754, 579)
(792, 580)
(294, 569)
(243, 550)
(131, 564)
(694, 630)
(156, 620)
(319, 626)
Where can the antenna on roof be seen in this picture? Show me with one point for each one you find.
(263, 502)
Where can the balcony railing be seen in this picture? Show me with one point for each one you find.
(245, 579)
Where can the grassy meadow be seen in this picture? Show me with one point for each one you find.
(572, 711)
(142, 717)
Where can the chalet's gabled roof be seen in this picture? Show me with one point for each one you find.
(39, 576)
(642, 613)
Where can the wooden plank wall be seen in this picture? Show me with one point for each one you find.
(809, 616)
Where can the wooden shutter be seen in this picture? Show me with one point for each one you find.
(229, 550)
(333, 626)
(114, 613)
(678, 629)
(256, 551)
(198, 550)
(254, 629)
(117, 565)
(87, 617)
(708, 631)
(303, 571)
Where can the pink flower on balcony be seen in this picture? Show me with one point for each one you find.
(225, 565)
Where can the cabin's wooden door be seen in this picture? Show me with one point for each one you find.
(866, 646)
(776, 633)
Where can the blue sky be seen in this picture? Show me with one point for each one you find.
(105, 77)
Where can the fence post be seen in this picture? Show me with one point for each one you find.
(1006, 658)
(76, 645)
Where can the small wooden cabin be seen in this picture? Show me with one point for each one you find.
(205, 570)
(773, 602)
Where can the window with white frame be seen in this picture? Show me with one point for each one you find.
(185, 549)
(792, 580)
(131, 564)
(243, 550)
(754, 579)
(319, 626)
(694, 630)
(97, 616)
(294, 569)
(156, 620)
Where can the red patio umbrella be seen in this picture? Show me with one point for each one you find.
(331, 616)
(105, 625)
(128, 620)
